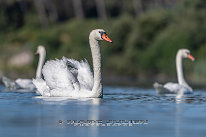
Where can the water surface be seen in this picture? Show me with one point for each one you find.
(27, 114)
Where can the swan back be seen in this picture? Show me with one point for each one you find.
(82, 71)
(10, 84)
(177, 88)
(25, 83)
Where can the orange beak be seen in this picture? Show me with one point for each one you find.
(190, 57)
(105, 37)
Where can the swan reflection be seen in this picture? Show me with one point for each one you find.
(66, 100)
(94, 115)
(181, 98)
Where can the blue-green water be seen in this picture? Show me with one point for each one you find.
(27, 114)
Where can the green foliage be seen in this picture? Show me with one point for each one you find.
(2, 20)
(146, 45)
(140, 40)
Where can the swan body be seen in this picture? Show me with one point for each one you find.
(181, 87)
(71, 78)
(10, 84)
(60, 80)
(27, 83)
(18, 83)
(172, 88)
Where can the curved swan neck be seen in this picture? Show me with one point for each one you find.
(42, 56)
(96, 57)
(180, 74)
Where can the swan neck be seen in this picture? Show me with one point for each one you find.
(96, 57)
(42, 56)
(179, 68)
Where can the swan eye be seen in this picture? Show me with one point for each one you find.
(101, 33)
(187, 53)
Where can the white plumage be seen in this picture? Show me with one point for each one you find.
(181, 87)
(65, 77)
(172, 88)
(27, 84)
(82, 71)
(71, 78)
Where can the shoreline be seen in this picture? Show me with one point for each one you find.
(146, 83)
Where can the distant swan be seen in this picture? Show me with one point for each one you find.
(71, 78)
(27, 83)
(181, 87)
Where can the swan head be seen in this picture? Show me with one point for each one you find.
(100, 34)
(185, 53)
(40, 50)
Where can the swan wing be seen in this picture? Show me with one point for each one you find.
(161, 89)
(41, 87)
(171, 88)
(177, 88)
(82, 71)
(10, 84)
(57, 75)
(44, 90)
(25, 83)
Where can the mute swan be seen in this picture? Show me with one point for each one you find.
(181, 87)
(71, 78)
(27, 83)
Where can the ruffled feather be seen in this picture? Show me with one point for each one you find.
(65, 77)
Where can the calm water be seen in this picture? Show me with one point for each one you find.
(27, 114)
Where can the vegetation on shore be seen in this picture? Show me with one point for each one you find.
(143, 47)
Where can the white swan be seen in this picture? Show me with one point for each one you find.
(71, 78)
(27, 83)
(181, 87)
